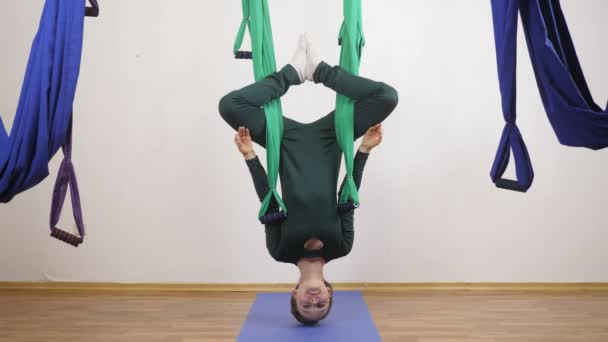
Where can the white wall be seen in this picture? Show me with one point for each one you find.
(168, 199)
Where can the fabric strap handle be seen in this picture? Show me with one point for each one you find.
(66, 177)
(92, 11)
(505, 17)
(241, 34)
(509, 184)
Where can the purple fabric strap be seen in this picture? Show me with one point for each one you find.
(66, 176)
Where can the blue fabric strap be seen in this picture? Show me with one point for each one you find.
(505, 31)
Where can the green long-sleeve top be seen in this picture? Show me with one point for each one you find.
(288, 245)
(310, 156)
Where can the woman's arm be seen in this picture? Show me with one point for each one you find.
(260, 181)
(348, 218)
(372, 138)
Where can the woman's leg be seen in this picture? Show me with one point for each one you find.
(374, 101)
(244, 107)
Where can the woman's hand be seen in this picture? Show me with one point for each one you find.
(242, 140)
(371, 139)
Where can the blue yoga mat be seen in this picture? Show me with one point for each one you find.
(270, 320)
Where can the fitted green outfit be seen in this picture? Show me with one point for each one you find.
(310, 158)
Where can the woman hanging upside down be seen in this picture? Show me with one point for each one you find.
(315, 232)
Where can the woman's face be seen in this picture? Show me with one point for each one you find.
(312, 299)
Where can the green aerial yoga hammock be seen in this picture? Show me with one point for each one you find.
(256, 16)
(352, 41)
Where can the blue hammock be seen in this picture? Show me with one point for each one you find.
(43, 119)
(576, 119)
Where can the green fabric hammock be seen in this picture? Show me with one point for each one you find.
(352, 41)
(256, 16)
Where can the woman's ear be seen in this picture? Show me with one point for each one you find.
(294, 292)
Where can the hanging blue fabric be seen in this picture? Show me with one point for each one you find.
(576, 119)
(43, 119)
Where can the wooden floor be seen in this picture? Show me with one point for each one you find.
(404, 317)
(444, 317)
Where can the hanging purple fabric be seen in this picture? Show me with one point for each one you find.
(65, 177)
(576, 119)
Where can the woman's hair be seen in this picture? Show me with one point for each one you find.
(298, 316)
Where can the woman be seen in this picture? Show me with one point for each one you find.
(314, 232)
